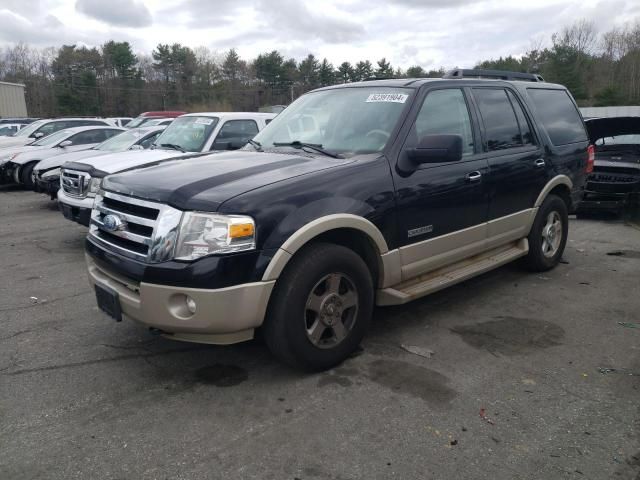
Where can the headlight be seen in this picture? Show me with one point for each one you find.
(50, 174)
(94, 186)
(7, 158)
(203, 234)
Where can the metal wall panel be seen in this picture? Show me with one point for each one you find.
(12, 102)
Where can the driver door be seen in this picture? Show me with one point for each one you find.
(442, 207)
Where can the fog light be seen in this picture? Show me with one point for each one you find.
(191, 305)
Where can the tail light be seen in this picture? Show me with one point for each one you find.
(591, 158)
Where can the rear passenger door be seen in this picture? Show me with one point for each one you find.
(235, 134)
(441, 207)
(517, 169)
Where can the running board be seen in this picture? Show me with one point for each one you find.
(458, 272)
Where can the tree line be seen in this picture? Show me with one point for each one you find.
(599, 69)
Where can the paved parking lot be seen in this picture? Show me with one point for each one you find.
(544, 355)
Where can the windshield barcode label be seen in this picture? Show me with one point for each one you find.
(387, 97)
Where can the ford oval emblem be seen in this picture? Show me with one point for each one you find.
(112, 223)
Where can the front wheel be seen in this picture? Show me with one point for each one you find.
(321, 307)
(25, 175)
(548, 235)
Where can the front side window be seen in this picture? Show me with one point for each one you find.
(52, 127)
(444, 112)
(348, 121)
(51, 139)
(235, 134)
(187, 133)
(88, 137)
(500, 123)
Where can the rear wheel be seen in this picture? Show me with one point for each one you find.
(321, 307)
(548, 236)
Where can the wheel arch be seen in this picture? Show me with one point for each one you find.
(351, 231)
(17, 173)
(560, 185)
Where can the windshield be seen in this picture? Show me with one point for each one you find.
(136, 122)
(187, 133)
(348, 121)
(26, 131)
(120, 142)
(620, 140)
(51, 139)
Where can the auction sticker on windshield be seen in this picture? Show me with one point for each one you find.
(387, 97)
(204, 121)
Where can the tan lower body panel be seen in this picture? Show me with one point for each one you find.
(221, 315)
(433, 264)
(452, 274)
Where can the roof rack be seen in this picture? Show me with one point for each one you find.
(494, 74)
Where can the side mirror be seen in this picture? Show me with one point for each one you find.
(236, 145)
(136, 147)
(436, 149)
(66, 143)
(37, 135)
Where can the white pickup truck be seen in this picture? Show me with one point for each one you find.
(187, 135)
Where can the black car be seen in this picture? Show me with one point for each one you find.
(371, 193)
(615, 181)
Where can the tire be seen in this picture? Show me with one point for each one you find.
(25, 175)
(320, 309)
(545, 248)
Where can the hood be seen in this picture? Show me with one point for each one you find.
(6, 142)
(205, 182)
(22, 150)
(610, 127)
(119, 161)
(60, 160)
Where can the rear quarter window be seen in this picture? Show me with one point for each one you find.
(558, 115)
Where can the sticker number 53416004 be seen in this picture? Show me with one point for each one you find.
(387, 97)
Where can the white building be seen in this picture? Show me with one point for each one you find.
(12, 102)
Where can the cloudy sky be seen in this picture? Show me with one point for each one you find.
(430, 33)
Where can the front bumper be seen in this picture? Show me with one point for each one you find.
(49, 186)
(75, 209)
(223, 316)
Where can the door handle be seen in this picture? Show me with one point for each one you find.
(474, 176)
(539, 162)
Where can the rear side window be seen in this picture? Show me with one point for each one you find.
(559, 115)
(500, 123)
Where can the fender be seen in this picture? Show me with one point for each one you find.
(551, 184)
(324, 224)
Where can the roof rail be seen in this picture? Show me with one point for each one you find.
(494, 74)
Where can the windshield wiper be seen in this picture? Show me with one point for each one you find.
(173, 146)
(313, 146)
(256, 145)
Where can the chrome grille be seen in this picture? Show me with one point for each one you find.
(75, 183)
(139, 229)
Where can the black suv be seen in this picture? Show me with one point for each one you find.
(371, 193)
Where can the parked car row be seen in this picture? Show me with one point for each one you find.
(370, 193)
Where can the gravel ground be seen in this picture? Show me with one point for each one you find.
(511, 375)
